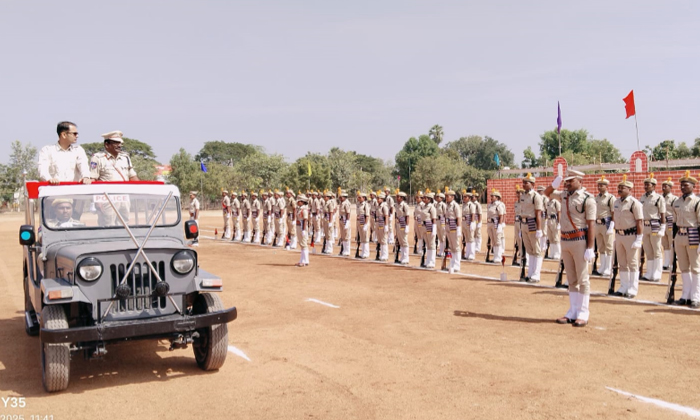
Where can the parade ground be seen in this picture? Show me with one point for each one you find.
(351, 339)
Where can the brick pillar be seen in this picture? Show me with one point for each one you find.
(559, 167)
(639, 162)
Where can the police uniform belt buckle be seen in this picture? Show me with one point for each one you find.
(600, 221)
(647, 223)
(573, 235)
(553, 216)
(683, 230)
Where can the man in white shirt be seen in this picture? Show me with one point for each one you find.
(64, 161)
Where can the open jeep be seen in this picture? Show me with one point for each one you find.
(108, 262)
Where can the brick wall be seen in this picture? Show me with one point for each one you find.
(590, 181)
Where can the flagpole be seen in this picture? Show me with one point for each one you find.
(637, 127)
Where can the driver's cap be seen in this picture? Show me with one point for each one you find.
(114, 136)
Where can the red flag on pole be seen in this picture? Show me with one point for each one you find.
(629, 104)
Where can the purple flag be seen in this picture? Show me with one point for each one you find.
(558, 118)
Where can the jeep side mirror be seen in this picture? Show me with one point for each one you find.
(191, 229)
(26, 235)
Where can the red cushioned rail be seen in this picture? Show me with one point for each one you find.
(33, 186)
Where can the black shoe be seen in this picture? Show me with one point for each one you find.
(524, 279)
(595, 273)
(680, 302)
(564, 320)
(618, 294)
(665, 268)
(644, 279)
(516, 264)
(561, 286)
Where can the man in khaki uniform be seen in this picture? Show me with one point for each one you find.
(418, 222)
(329, 210)
(236, 216)
(453, 222)
(278, 207)
(290, 214)
(362, 224)
(545, 202)
(344, 212)
(403, 226)
(373, 204)
(255, 214)
(654, 209)
(687, 212)
(226, 207)
(605, 226)
(429, 222)
(112, 165)
(629, 218)
(301, 220)
(194, 213)
(517, 235)
(313, 216)
(578, 239)
(477, 219)
(441, 233)
(553, 228)
(382, 227)
(531, 208)
(267, 217)
(390, 204)
(667, 240)
(468, 212)
(245, 216)
(496, 220)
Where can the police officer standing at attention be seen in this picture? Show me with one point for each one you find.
(235, 216)
(255, 212)
(531, 208)
(290, 210)
(418, 220)
(344, 212)
(667, 240)
(194, 213)
(429, 221)
(362, 224)
(245, 216)
(496, 218)
(382, 226)
(301, 219)
(278, 206)
(605, 226)
(468, 212)
(440, 209)
(577, 222)
(390, 204)
(403, 225)
(477, 219)
(553, 228)
(453, 221)
(267, 216)
(66, 160)
(226, 207)
(687, 212)
(516, 225)
(654, 208)
(628, 227)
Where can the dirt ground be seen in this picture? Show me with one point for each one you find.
(402, 343)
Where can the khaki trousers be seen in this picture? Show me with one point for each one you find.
(575, 266)
(604, 241)
(532, 244)
(364, 232)
(455, 242)
(688, 258)
(429, 237)
(290, 226)
(553, 233)
(627, 258)
(345, 231)
(401, 236)
(651, 242)
(497, 238)
(302, 237)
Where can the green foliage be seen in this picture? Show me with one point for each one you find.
(131, 146)
(529, 159)
(436, 134)
(480, 152)
(577, 148)
(184, 173)
(695, 150)
(437, 172)
(226, 153)
(23, 157)
(668, 149)
(413, 151)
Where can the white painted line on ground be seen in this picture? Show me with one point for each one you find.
(238, 352)
(322, 303)
(663, 404)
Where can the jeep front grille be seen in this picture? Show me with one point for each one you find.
(141, 281)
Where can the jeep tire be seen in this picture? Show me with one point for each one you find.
(211, 347)
(55, 357)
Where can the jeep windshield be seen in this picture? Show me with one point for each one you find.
(94, 211)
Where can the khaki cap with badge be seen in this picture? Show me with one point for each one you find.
(114, 136)
(572, 174)
(602, 180)
(625, 182)
(687, 178)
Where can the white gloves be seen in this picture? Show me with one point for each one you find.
(611, 229)
(408, 228)
(538, 234)
(637, 244)
(386, 229)
(558, 226)
(478, 225)
(556, 182)
(499, 228)
(589, 255)
(472, 226)
(347, 224)
(662, 230)
(303, 233)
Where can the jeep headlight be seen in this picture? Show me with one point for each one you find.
(90, 269)
(183, 262)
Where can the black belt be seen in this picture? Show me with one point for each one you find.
(602, 221)
(553, 216)
(626, 232)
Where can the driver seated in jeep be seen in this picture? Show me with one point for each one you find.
(63, 212)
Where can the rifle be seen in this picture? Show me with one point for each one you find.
(523, 259)
(673, 275)
(611, 286)
(515, 252)
(274, 240)
(444, 256)
(378, 249)
(262, 239)
(422, 258)
(341, 248)
(398, 252)
(546, 252)
(323, 250)
(488, 249)
(415, 242)
(560, 275)
(595, 262)
(641, 265)
(357, 252)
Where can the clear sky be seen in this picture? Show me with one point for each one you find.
(298, 76)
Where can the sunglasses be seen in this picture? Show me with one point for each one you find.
(75, 133)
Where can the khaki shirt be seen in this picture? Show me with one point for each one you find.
(687, 211)
(69, 165)
(235, 207)
(390, 203)
(468, 210)
(226, 204)
(105, 167)
(245, 208)
(553, 208)
(194, 207)
(453, 212)
(382, 214)
(329, 209)
(344, 210)
(373, 205)
(494, 210)
(670, 199)
(627, 213)
(530, 202)
(363, 213)
(278, 207)
(653, 206)
(68, 223)
(418, 212)
(430, 212)
(314, 205)
(477, 207)
(291, 207)
(267, 206)
(255, 208)
(516, 209)
(604, 205)
(573, 205)
(302, 214)
(402, 211)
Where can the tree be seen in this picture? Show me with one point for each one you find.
(436, 172)
(480, 152)
(342, 167)
(667, 149)
(131, 146)
(226, 153)
(696, 148)
(185, 173)
(578, 145)
(260, 170)
(436, 134)
(602, 151)
(529, 159)
(23, 157)
(407, 159)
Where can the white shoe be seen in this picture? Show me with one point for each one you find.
(571, 313)
(605, 265)
(346, 248)
(634, 284)
(472, 250)
(687, 286)
(658, 269)
(694, 288)
(582, 308)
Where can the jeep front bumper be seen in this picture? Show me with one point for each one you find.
(138, 328)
